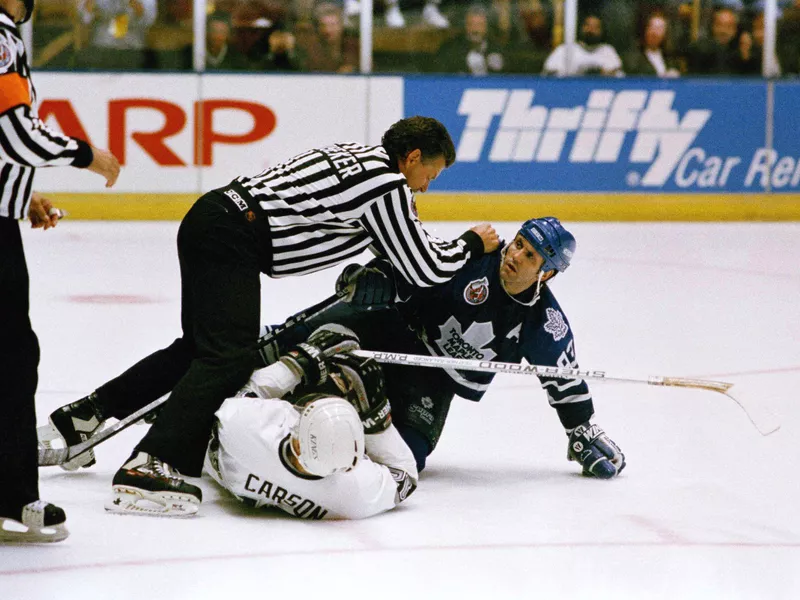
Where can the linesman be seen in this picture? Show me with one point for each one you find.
(309, 213)
(25, 144)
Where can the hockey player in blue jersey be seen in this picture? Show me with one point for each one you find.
(497, 307)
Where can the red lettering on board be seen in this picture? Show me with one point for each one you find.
(264, 122)
(151, 142)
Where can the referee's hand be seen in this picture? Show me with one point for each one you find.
(42, 213)
(106, 164)
(489, 236)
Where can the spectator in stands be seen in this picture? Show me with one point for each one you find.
(261, 33)
(750, 55)
(431, 15)
(650, 58)
(282, 55)
(471, 51)
(590, 56)
(717, 55)
(220, 54)
(325, 46)
(620, 21)
(525, 33)
(118, 32)
(788, 43)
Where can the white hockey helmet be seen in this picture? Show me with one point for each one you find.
(329, 434)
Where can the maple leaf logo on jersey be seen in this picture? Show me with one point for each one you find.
(477, 291)
(556, 326)
(467, 344)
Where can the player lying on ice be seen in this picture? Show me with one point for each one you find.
(315, 455)
(310, 434)
(499, 306)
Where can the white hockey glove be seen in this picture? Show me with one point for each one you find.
(366, 390)
(593, 449)
(309, 359)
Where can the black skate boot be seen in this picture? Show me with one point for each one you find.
(34, 523)
(73, 424)
(146, 485)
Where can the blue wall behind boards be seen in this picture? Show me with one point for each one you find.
(517, 134)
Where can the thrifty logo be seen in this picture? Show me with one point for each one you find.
(536, 133)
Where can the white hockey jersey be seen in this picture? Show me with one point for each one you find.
(246, 456)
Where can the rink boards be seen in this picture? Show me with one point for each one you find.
(585, 149)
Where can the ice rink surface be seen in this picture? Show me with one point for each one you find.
(706, 508)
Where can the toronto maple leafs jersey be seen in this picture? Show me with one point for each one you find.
(473, 317)
(247, 456)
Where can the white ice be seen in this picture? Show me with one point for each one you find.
(706, 508)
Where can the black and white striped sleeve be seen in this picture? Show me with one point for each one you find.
(25, 140)
(422, 259)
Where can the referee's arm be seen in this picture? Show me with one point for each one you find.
(25, 140)
(423, 260)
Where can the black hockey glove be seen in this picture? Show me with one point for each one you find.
(365, 390)
(593, 449)
(309, 359)
(271, 346)
(369, 287)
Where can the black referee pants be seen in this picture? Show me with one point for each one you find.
(19, 360)
(220, 262)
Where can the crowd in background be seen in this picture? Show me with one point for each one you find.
(665, 38)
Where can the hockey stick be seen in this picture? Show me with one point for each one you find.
(58, 456)
(486, 366)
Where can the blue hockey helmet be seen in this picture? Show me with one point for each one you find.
(548, 236)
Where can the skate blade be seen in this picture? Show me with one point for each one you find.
(47, 434)
(14, 532)
(134, 501)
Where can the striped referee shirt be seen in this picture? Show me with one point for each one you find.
(25, 142)
(329, 204)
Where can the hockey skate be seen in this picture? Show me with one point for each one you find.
(73, 424)
(39, 522)
(146, 485)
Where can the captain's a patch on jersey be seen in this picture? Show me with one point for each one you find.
(477, 291)
(556, 325)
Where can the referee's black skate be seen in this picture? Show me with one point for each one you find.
(74, 423)
(34, 523)
(146, 485)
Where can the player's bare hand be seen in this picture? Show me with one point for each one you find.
(42, 213)
(106, 164)
(489, 236)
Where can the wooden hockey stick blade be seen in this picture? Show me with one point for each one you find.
(58, 456)
(764, 425)
(765, 422)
